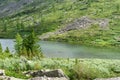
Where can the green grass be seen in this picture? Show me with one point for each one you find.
(16, 74)
(74, 68)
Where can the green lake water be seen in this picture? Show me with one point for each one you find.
(65, 50)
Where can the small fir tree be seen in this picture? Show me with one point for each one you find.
(30, 43)
(18, 45)
(28, 46)
(1, 48)
(7, 50)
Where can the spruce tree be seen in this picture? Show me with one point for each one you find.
(28, 46)
(30, 43)
(24, 52)
(18, 45)
(1, 48)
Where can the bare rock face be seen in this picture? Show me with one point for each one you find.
(80, 23)
(85, 22)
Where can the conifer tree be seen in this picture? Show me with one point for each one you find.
(28, 46)
(18, 45)
(7, 50)
(1, 48)
(30, 43)
(24, 52)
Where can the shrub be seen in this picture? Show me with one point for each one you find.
(90, 71)
(1, 48)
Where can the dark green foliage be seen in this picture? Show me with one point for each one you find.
(1, 48)
(117, 7)
(7, 50)
(31, 46)
(4, 23)
(28, 46)
(18, 45)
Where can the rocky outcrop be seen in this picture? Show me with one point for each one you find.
(47, 74)
(39, 75)
(81, 23)
(85, 22)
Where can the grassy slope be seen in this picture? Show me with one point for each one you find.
(95, 36)
(48, 15)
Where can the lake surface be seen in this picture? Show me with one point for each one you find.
(65, 50)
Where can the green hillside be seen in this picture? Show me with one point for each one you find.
(49, 15)
(89, 30)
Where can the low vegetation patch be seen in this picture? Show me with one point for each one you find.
(85, 69)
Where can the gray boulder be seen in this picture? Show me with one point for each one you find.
(2, 72)
(57, 74)
(47, 73)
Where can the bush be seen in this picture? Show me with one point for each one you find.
(90, 71)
